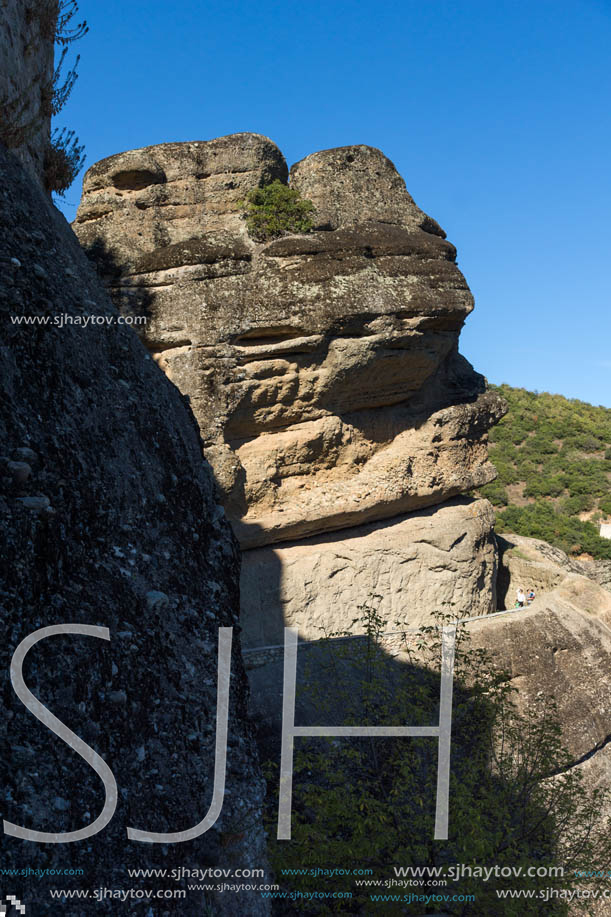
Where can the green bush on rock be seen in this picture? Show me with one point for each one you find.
(275, 209)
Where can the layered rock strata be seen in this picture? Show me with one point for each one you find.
(109, 518)
(558, 649)
(322, 368)
(341, 423)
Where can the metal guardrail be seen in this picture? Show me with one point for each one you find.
(391, 633)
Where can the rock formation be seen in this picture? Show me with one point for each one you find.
(342, 426)
(558, 649)
(441, 558)
(560, 646)
(109, 518)
(322, 368)
(529, 562)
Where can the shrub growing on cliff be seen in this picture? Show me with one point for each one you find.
(275, 209)
(64, 159)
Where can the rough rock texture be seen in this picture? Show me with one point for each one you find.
(528, 562)
(323, 368)
(439, 559)
(559, 649)
(108, 517)
(598, 570)
(601, 572)
(26, 75)
(354, 185)
(338, 417)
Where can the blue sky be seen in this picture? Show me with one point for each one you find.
(495, 113)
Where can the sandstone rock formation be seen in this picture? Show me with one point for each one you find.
(323, 368)
(108, 518)
(558, 647)
(441, 559)
(559, 650)
(529, 562)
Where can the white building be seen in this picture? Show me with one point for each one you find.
(605, 529)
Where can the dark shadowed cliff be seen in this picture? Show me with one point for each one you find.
(108, 518)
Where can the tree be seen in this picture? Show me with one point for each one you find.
(65, 156)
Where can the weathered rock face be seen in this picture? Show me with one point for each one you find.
(26, 77)
(322, 368)
(529, 562)
(559, 649)
(339, 419)
(109, 518)
(441, 559)
(350, 186)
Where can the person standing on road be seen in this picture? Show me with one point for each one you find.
(520, 598)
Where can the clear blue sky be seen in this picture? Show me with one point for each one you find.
(495, 112)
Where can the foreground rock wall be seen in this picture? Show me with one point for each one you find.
(109, 518)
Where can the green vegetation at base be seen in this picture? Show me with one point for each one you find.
(515, 799)
(553, 457)
(275, 209)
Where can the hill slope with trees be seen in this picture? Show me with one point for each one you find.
(553, 457)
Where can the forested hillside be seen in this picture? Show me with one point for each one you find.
(553, 456)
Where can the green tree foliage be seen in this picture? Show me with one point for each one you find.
(553, 460)
(545, 486)
(275, 209)
(496, 493)
(515, 799)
